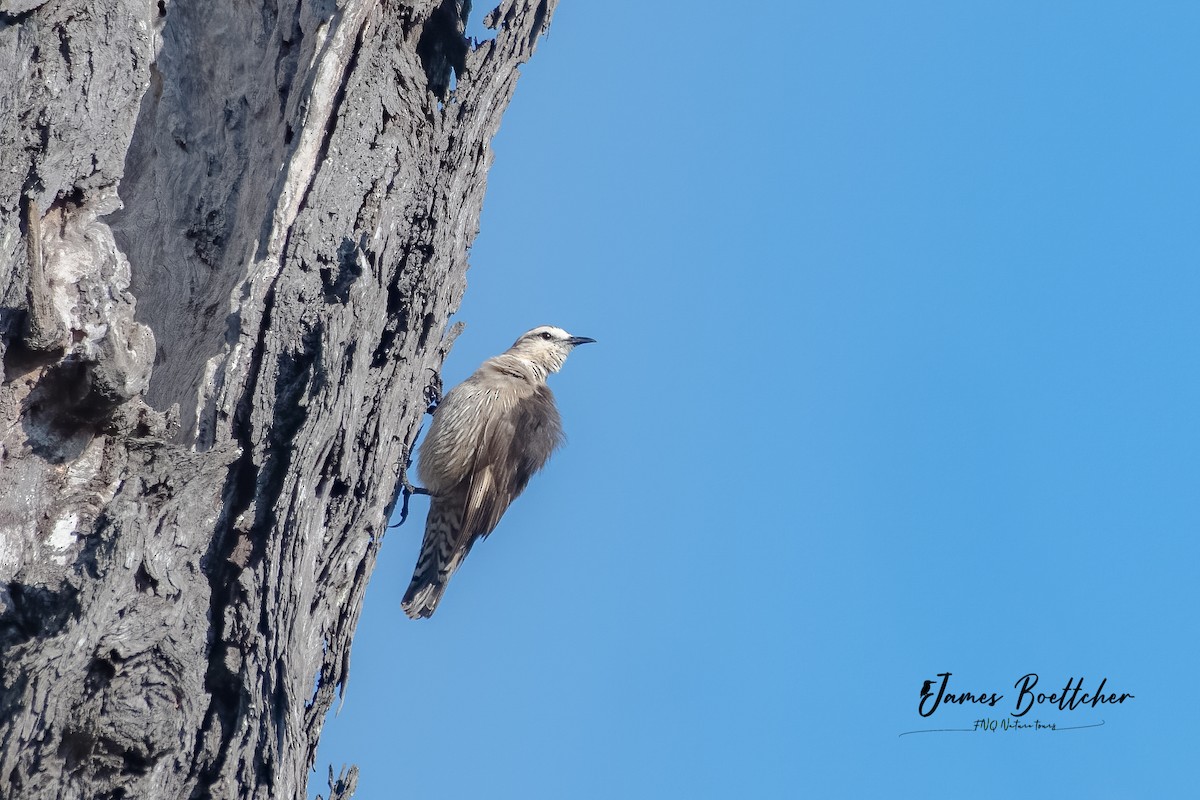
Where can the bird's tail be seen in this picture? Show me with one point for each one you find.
(440, 556)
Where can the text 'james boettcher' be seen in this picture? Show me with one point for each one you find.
(1071, 697)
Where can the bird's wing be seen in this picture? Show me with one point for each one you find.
(514, 445)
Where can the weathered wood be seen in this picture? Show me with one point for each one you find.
(209, 383)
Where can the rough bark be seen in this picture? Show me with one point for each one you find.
(231, 236)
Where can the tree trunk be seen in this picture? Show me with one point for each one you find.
(209, 384)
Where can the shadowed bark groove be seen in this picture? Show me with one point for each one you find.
(231, 236)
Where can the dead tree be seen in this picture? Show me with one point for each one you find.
(231, 236)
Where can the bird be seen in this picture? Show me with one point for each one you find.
(489, 435)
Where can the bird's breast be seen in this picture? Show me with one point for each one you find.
(457, 433)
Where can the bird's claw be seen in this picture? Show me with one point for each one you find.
(433, 392)
(407, 490)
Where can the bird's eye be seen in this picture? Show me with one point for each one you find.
(546, 335)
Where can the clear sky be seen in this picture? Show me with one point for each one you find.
(898, 373)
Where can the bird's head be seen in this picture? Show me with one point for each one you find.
(547, 346)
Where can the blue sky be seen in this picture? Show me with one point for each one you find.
(898, 309)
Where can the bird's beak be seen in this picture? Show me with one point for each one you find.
(574, 340)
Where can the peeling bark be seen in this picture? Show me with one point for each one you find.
(231, 237)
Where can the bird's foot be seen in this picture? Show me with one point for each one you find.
(433, 392)
(407, 490)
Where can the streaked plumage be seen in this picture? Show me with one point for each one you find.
(489, 435)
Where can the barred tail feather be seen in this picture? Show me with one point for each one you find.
(437, 562)
(421, 599)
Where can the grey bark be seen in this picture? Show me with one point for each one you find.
(231, 237)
